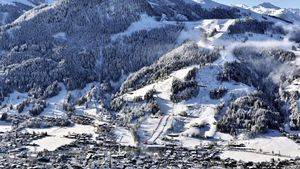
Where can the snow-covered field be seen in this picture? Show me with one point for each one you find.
(125, 137)
(278, 145)
(249, 156)
(264, 148)
(5, 127)
(56, 136)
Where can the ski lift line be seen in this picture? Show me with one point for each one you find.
(160, 132)
(155, 129)
(163, 128)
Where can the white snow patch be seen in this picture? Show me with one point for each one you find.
(32, 13)
(25, 2)
(60, 35)
(15, 99)
(192, 31)
(207, 116)
(13, 2)
(55, 104)
(182, 73)
(207, 4)
(192, 143)
(145, 23)
(148, 127)
(56, 138)
(5, 127)
(125, 137)
(294, 86)
(278, 145)
(248, 156)
(223, 136)
(163, 88)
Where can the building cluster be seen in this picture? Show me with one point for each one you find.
(106, 152)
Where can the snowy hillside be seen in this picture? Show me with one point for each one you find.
(24, 2)
(12, 9)
(272, 10)
(14, 2)
(148, 83)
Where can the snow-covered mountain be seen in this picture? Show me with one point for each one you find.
(272, 10)
(149, 74)
(12, 9)
(24, 2)
(267, 5)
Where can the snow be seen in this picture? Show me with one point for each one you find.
(192, 31)
(159, 130)
(25, 2)
(13, 2)
(269, 9)
(125, 137)
(248, 156)
(294, 86)
(60, 35)
(3, 17)
(55, 104)
(223, 136)
(268, 5)
(148, 127)
(276, 144)
(162, 87)
(168, 108)
(56, 137)
(207, 116)
(207, 77)
(202, 110)
(32, 13)
(222, 28)
(200, 30)
(263, 148)
(241, 6)
(192, 143)
(15, 99)
(181, 74)
(145, 23)
(207, 4)
(49, 1)
(5, 127)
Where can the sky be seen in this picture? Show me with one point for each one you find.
(280, 3)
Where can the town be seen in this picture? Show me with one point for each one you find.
(106, 152)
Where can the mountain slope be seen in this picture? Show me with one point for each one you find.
(149, 74)
(12, 9)
(52, 34)
(270, 9)
(57, 39)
